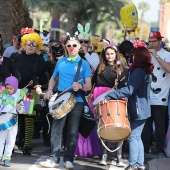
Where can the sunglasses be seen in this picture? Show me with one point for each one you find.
(34, 44)
(153, 41)
(74, 45)
(86, 42)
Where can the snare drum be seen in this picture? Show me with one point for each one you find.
(113, 120)
(61, 105)
(7, 120)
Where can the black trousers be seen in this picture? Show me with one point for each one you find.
(158, 115)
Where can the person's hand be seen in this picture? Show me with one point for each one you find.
(21, 50)
(48, 94)
(18, 106)
(153, 52)
(116, 82)
(76, 86)
(89, 96)
(38, 89)
(46, 49)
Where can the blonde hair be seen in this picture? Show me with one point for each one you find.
(33, 37)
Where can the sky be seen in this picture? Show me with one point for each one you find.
(152, 14)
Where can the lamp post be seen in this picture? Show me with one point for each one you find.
(41, 22)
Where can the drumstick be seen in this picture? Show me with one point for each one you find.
(122, 79)
(118, 65)
(26, 86)
(91, 91)
(68, 88)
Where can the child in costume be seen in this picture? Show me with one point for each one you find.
(10, 105)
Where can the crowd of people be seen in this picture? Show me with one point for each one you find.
(86, 69)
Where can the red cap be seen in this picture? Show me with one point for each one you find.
(155, 34)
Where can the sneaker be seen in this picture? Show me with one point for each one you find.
(27, 151)
(104, 160)
(141, 168)
(68, 165)
(49, 164)
(119, 161)
(7, 163)
(160, 155)
(131, 168)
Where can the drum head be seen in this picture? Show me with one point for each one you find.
(102, 97)
(57, 102)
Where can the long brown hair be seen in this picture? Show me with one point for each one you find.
(142, 59)
(104, 62)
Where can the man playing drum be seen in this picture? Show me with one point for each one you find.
(65, 73)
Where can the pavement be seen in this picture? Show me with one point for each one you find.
(40, 153)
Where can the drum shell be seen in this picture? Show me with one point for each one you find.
(113, 120)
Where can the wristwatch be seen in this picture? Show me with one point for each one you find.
(157, 57)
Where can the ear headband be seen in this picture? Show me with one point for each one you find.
(138, 43)
(83, 31)
(72, 37)
(26, 31)
(112, 44)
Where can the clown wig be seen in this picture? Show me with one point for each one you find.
(32, 37)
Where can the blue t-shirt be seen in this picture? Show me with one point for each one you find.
(66, 70)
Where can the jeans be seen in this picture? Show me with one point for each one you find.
(136, 150)
(73, 121)
(158, 114)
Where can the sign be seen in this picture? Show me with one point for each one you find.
(154, 28)
(55, 23)
(55, 29)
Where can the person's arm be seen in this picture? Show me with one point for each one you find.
(135, 82)
(51, 85)
(165, 65)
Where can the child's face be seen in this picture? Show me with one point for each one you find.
(9, 89)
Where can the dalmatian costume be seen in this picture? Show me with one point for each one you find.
(160, 80)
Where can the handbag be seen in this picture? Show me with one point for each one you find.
(87, 121)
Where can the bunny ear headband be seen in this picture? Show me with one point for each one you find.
(72, 37)
(138, 43)
(112, 44)
(83, 32)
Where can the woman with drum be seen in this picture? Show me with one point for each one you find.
(109, 71)
(138, 92)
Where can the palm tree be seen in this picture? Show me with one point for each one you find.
(143, 6)
(6, 20)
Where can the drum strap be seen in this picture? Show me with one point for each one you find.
(78, 70)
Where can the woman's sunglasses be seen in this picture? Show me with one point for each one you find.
(74, 45)
(33, 43)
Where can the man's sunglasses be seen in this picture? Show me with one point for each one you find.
(153, 41)
(86, 42)
(74, 45)
(33, 43)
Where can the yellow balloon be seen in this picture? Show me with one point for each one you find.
(129, 18)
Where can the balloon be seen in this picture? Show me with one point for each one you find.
(129, 18)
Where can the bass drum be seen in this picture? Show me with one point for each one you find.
(113, 120)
